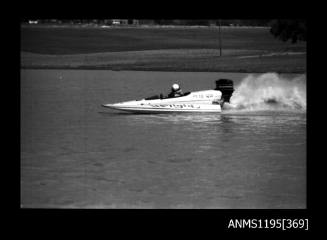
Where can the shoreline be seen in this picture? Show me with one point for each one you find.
(138, 26)
(152, 70)
(172, 60)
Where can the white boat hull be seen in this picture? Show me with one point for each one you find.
(201, 101)
(175, 108)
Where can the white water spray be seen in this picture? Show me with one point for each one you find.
(270, 92)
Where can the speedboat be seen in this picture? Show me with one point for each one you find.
(209, 101)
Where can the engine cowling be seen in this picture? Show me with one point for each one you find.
(226, 87)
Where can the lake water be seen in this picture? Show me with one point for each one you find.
(76, 154)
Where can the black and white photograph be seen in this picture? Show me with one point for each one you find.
(163, 113)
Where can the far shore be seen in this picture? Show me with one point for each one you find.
(146, 26)
(187, 60)
(195, 49)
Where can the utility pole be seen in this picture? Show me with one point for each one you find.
(219, 37)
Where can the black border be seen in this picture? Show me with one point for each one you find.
(188, 221)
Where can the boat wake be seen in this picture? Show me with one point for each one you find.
(268, 92)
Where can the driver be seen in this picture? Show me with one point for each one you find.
(176, 91)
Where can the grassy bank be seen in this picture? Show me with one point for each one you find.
(160, 49)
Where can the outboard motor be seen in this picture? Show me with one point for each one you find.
(226, 88)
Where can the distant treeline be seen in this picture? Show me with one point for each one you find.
(222, 22)
(181, 22)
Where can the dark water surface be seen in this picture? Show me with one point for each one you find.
(76, 154)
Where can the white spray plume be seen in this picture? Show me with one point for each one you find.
(270, 92)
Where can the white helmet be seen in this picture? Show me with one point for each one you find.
(175, 87)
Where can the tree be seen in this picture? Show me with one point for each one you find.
(294, 30)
